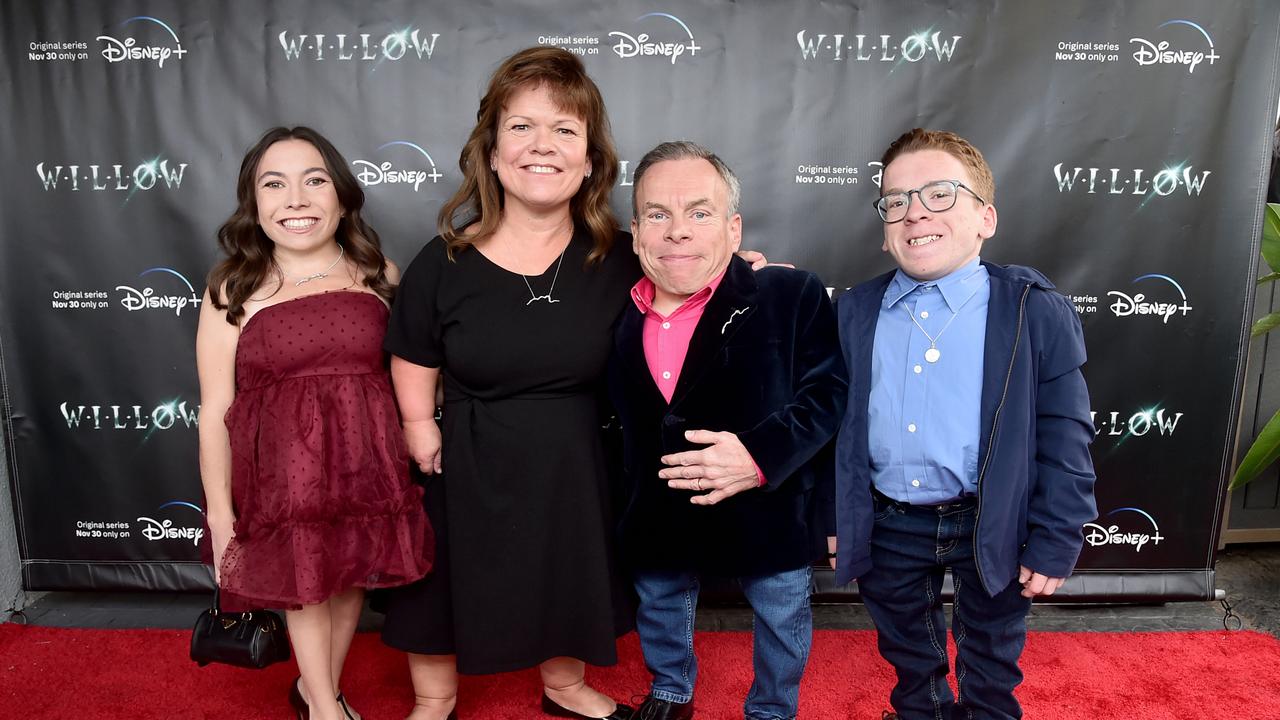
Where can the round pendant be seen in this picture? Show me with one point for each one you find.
(932, 355)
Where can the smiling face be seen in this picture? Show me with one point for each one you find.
(541, 153)
(929, 245)
(298, 207)
(683, 234)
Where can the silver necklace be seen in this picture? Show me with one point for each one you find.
(533, 297)
(323, 273)
(932, 354)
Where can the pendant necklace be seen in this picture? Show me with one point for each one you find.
(932, 354)
(533, 297)
(323, 273)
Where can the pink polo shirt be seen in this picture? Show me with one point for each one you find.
(666, 339)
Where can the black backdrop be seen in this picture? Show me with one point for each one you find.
(1129, 142)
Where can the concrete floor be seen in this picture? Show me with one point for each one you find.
(1249, 575)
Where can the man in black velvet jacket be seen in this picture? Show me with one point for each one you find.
(728, 383)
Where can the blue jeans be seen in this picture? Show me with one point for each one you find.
(911, 547)
(783, 632)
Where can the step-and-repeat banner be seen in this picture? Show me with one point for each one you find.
(1129, 142)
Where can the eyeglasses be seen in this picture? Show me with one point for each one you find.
(938, 196)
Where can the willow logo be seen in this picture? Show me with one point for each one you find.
(877, 48)
(409, 42)
(148, 175)
(643, 45)
(175, 413)
(120, 50)
(1136, 425)
(1099, 535)
(386, 173)
(1139, 181)
(165, 529)
(1138, 304)
(1163, 52)
(147, 298)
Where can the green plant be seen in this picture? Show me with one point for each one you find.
(1266, 448)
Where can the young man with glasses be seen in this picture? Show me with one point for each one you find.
(966, 442)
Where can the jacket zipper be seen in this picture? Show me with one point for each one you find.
(995, 423)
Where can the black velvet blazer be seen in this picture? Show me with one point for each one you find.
(764, 362)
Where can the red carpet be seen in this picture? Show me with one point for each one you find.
(141, 674)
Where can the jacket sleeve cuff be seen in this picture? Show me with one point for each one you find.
(1048, 562)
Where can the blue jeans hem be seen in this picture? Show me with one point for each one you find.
(670, 697)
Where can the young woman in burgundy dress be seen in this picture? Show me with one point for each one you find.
(302, 457)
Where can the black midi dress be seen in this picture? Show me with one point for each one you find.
(525, 569)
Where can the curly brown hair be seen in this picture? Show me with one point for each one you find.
(481, 194)
(250, 261)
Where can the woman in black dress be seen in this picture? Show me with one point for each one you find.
(514, 307)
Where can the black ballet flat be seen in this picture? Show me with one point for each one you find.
(296, 702)
(453, 715)
(555, 709)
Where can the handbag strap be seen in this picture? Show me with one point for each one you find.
(216, 609)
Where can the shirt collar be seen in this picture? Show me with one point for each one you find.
(642, 294)
(956, 287)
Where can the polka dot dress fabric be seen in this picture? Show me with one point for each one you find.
(320, 475)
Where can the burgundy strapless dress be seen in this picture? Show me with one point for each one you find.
(319, 470)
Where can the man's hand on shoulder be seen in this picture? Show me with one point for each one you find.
(757, 260)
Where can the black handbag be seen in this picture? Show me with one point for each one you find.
(252, 639)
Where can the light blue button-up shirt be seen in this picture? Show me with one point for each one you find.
(923, 417)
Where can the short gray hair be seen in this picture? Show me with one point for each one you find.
(686, 150)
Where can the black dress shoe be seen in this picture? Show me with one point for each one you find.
(553, 708)
(655, 709)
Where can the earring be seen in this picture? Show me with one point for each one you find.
(588, 173)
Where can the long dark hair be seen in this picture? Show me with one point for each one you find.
(564, 75)
(250, 262)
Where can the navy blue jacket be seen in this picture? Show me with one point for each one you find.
(764, 363)
(1035, 476)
